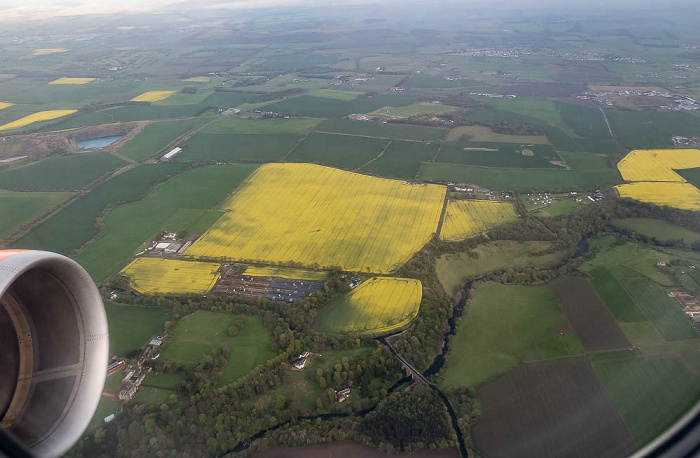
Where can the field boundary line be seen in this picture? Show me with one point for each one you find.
(438, 231)
(180, 139)
(635, 300)
(98, 221)
(375, 136)
(437, 153)
(303, 139)
(605, 117)
(29, 226)
(374, 158)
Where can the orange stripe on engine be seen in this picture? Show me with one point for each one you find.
(7, 253)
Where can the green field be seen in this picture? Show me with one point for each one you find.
(402, 159)
(498, 155)
(566, 344)
(105, 408)
(333, 94)
(642, 334)
(321, 107)
(485, 134)
(428, 81)
(238, 147)
(129, 226)
(132, 112)
(198, 334)
(376, 129)
(75, 225)
(563, 206)
(18, 208)
(226, 99)
(542, 109)
(192, 221)
(337, 150)
(660, 309)
(132, 326)
(640, 258)
(658, 229)
(651, 129)
(165, 381)
(114, 381)
(691, 175)
(486, 345)
(455, 269)
(586, 122)
(59, 173)
(589, 171)
(156, 137)
(157, 389)
(153, 395)
(620, 304)
(651, 394)
(272, 126)
(415, 109)
(630, 283)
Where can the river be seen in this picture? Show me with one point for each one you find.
(433, 369)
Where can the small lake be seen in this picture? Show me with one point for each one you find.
(97, 143)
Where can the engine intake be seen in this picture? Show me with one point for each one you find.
(53, 349)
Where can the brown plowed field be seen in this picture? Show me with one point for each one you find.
(591, 319)
(552, 408)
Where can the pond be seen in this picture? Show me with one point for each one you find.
(97, 143)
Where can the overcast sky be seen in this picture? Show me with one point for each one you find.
(47, 8)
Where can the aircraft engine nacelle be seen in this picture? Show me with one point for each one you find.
(53, 349)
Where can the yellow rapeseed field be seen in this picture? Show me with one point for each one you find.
(321, 217)
(286, 272)
(153, 96)
(658, 164)
(679, 195)
(72, 81)
(378, 306)
(36, 117)
(199, 79)
(470, 217)
(45, 51)
(155, 275)
(655, 180)
(5, 105)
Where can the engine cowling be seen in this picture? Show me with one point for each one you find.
(53, 349)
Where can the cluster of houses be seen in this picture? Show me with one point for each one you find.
(350, 80)
(685, 141)
(494, 96)
(504, 53)
(674, 102)
(689, 304)
(362, 117)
